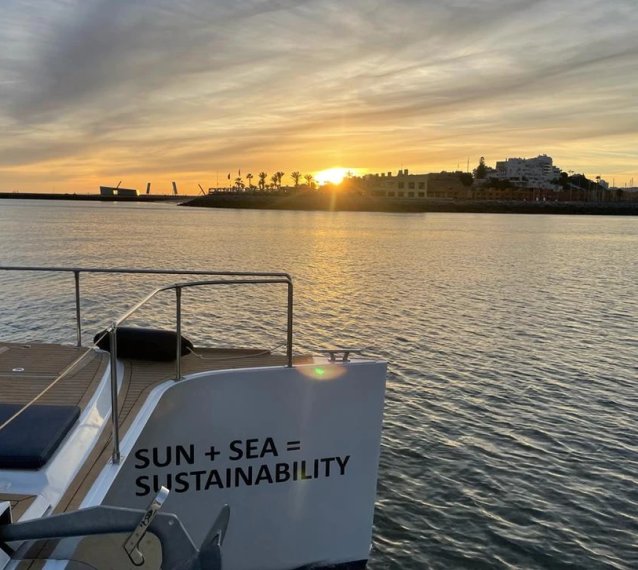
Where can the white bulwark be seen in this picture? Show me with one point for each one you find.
(292, 451)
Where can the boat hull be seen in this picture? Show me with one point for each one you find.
(292, 451)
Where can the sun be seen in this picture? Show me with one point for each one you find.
(332, 175)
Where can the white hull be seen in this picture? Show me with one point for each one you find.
(285, 457)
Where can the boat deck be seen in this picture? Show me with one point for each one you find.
(27, 369)
(140, 377)
(19, 503)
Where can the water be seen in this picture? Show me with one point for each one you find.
(510, 436)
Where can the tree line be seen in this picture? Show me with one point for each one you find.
(274, 183)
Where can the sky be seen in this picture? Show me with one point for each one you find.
(100, 91)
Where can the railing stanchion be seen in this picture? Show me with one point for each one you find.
(114, 407)
(78, 318)
(178, 329)
(289, 329)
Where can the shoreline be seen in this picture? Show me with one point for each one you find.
(350, 203)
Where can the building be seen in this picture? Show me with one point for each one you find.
(403, 185)
(538, 172)
(414, 186)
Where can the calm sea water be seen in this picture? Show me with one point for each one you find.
(511, 429)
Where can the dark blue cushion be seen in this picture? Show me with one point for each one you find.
(31, 439)
(144, 344)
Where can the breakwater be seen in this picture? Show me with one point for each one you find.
(92, 197)
(358, 203)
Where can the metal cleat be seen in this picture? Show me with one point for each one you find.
(132, 543)
(332, 353)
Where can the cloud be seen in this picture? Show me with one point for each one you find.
(139, 87)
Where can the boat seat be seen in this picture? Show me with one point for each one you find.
(30, 440)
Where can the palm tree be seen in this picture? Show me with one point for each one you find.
(279, 176)
(239, 183)
(274, 179)
(296, 175)
(262, 180)
(309, 178)
(250, 180)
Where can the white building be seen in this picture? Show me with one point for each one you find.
(536, 172)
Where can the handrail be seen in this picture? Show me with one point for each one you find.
(233, 278)
(127, 270)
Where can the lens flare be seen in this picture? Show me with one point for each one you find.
(323, 372)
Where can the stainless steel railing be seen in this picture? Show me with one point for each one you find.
(229, 278)
(178, 287)
(78, 270)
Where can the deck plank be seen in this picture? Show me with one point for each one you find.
(27, 369)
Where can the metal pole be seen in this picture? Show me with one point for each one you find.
(78, 318)
(178, 329)
(289, 336)
(114, 408)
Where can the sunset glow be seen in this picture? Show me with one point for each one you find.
(99, 95)
(332, 175)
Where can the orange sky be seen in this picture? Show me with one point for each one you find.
(107, 90)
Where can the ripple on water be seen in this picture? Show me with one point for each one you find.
(510, 425)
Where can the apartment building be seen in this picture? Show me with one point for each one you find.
(538, 172)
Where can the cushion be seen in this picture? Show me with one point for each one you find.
(30, 440)
(144, 344)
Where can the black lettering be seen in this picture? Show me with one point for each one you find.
(181, 483)
(141, 456)
(213, 479)
(204, 480)
(144, 489)
(282, 472)
(247, 477)
(263, 474)
(235, 447)
(303, 474)
(342, 463)
(198, 479)
(156, 484)
(160, 461)
(187, 455)
(327, 461)
(269, 448)
(251, 448)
